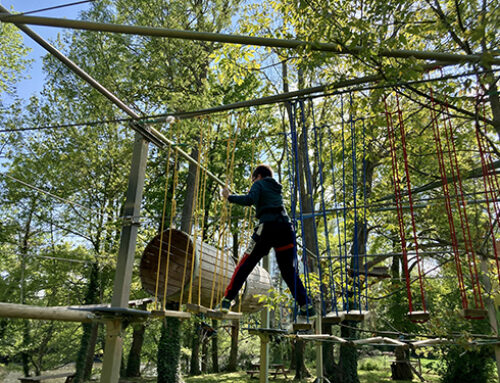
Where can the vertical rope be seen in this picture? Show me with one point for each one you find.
(356, 284)
(464, 221)
(365, 228)
(161, 231)
(202, 212)
(410, 200)
(301, 211)
(489, 187)
(186, 252)
(318, 151)
(173, 206)
(397, 198)
(293, 199)
(345, 288)
(339, 235)
(309, 182)
(447, 200)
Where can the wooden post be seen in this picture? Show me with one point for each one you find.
(264, 339)
(123, 275)
(490, 306)
(319, 346)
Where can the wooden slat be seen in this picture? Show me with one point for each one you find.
(302, 326)
(170, 314)
(354, 315)
(333, 317)
(197, 309)
(419, 316)
(215, 314)
(474, 313)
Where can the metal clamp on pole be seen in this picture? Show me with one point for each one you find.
(131, 221)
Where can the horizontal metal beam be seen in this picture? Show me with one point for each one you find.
(239, 39)
(13, 310)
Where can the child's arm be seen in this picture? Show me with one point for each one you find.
(246, 199)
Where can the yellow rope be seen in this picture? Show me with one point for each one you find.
(195, 233)
(162, 228)
(202, 204)
(173, 207)
(190, 220)
(229, 178)
(220, 252)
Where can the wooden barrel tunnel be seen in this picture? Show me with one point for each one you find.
(216, 270)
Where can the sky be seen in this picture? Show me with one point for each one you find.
(34, 84)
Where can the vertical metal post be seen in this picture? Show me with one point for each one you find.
(319, 346)
(490, 306)
(125, 262)
(264, 340)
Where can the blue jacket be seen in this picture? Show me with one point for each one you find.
(265, 195)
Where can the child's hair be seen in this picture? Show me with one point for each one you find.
(262, 170)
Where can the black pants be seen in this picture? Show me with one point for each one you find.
(281, 237)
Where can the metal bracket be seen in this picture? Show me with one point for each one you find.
(131, 221)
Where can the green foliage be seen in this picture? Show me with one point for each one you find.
(473, 365)
(12, 57)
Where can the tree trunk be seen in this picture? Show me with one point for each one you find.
(134, 356)
(194, 363)
(401, 368)
(89, 362)
(26, 344)
(26, 324)
(233, 354)
(215, 349)
(85, 342)
(301, 371)
(328, 350)
(169, 350)
(347, 371)
(204, 356)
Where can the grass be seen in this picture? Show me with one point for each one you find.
(370, 370)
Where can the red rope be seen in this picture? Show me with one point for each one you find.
(488, 178)
(462, 208)
(410, 199)
(399, 207)
(447, 199)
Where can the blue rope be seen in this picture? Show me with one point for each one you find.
(301, 214)
(346, 289)
(311, 199)
(291, 161)
(356, 285)
(365, 229)
(319, 145)
(339, 235)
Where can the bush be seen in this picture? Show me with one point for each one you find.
(467, 366)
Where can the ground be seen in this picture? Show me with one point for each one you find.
(371, 370)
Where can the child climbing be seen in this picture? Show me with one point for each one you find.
(274, 230)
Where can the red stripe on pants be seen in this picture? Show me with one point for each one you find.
(283, 248)
(230, 286)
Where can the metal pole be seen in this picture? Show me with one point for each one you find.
(490, 306)
(264, 339)
(239, 39)
(125, 262)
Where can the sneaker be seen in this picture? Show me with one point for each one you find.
(225, 305)
(307, 311)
